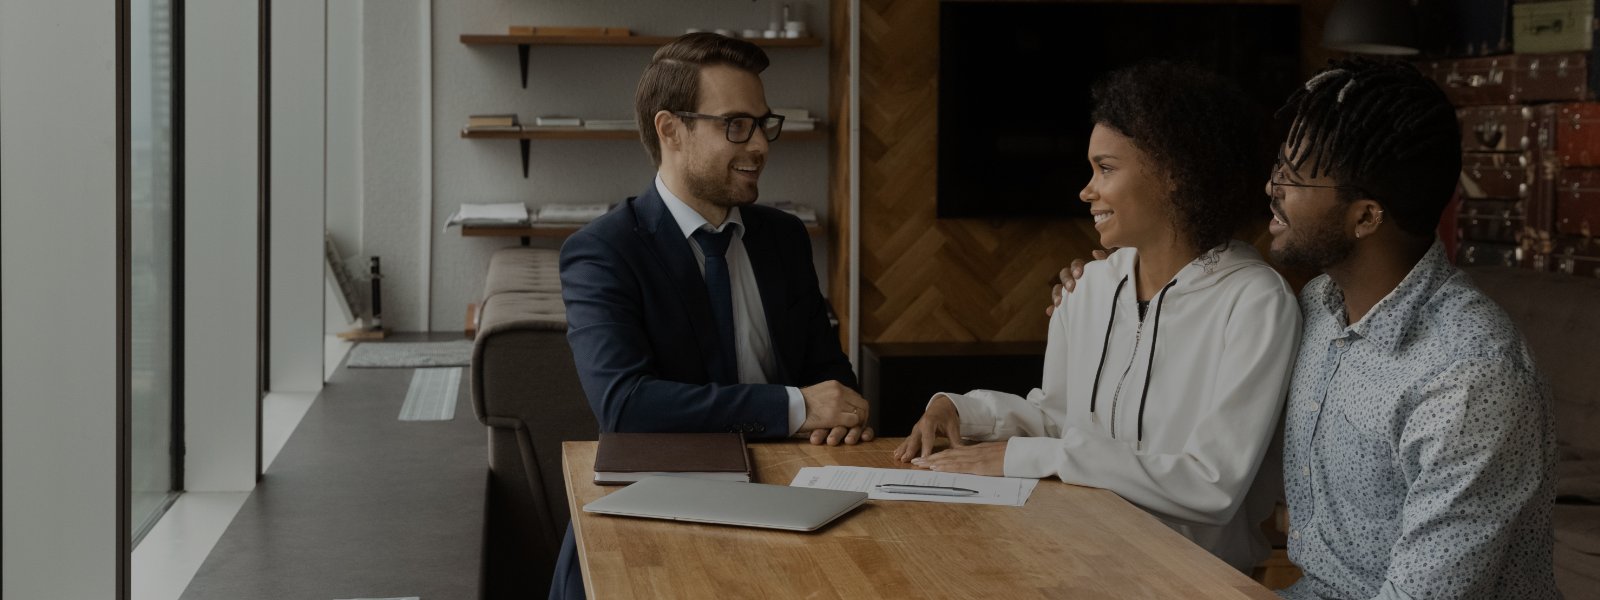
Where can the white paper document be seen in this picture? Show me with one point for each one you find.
(1003, 491)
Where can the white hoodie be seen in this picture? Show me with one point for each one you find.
(1185, 445)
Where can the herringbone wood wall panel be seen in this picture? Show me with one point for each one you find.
(839, 166)
(926, 279)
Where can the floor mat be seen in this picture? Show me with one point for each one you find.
(432, 395)
(410, 355)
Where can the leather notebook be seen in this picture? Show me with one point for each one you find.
(624, 458)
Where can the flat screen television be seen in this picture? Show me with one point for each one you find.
(1014, 83)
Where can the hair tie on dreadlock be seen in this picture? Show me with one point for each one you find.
(1344, 90)
(1321, 77)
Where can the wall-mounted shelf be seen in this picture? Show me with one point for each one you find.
(524, 42)
(558, 231)
(529, 134)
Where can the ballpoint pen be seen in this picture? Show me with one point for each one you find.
(925, 490)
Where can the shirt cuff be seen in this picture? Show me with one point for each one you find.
(1031, 457)
(972, 413)
(797, 409)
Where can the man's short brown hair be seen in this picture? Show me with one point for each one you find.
(672, 81)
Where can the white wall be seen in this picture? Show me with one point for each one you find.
(58, 302)
(412, 60)
(395, 95)
(220, 220)
(344, 149)
(297, 282)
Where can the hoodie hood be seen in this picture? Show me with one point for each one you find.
(1203, 272)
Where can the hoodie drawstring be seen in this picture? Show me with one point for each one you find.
(1150, 362)
(1094, 393)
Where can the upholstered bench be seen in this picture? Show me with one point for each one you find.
(525, 389)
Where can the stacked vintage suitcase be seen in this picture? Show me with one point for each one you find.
(1530, 126)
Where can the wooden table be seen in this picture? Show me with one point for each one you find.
(1067, 542)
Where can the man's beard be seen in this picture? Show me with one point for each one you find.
(705, 184)
(1314, 245)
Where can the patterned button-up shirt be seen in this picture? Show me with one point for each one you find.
(1418, 448)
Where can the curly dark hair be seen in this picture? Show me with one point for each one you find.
(1384, 130)
(1203, 133)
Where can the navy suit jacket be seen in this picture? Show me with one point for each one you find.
(643, 337)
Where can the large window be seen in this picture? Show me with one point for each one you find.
(154, 275)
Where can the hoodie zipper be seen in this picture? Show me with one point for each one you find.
(1116, 397)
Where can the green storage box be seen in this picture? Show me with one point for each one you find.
(1543, 27)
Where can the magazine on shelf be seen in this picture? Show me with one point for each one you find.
(573, 214)
(558, 121)
(793, 114)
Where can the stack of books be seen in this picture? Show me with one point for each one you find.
(513, 214)
(796, 119)
(493, 123)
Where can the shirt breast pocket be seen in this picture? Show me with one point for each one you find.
(1360, 467)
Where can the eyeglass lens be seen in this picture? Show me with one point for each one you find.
(741, 128)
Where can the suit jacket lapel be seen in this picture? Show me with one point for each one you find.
(665, 239)
(761, 247)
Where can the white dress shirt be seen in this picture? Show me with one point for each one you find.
(751, 340)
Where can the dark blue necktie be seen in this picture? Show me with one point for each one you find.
(719, 287)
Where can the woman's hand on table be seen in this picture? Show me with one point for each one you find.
(988, 458)
(941, 418)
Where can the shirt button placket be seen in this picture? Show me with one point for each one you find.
(1331, 369)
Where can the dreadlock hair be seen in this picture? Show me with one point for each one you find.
(1383, 130)
(1207, 137)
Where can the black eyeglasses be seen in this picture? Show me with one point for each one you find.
(1275, 181)
(1273, 184)
(740, 129)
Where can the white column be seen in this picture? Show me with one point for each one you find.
(58, 303)
(296, 286)
(220, 254)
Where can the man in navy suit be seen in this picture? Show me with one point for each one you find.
(689, 308)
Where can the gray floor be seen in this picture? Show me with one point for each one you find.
(360, 504)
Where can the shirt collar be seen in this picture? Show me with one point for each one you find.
(1385, 324)
(689, 220)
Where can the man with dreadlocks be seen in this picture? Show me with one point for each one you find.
(1418, 445)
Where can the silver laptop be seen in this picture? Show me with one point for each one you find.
(728, 503)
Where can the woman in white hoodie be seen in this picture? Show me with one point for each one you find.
(1165, 372)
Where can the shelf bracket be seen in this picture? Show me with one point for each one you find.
(524, 145)
(522, 59)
